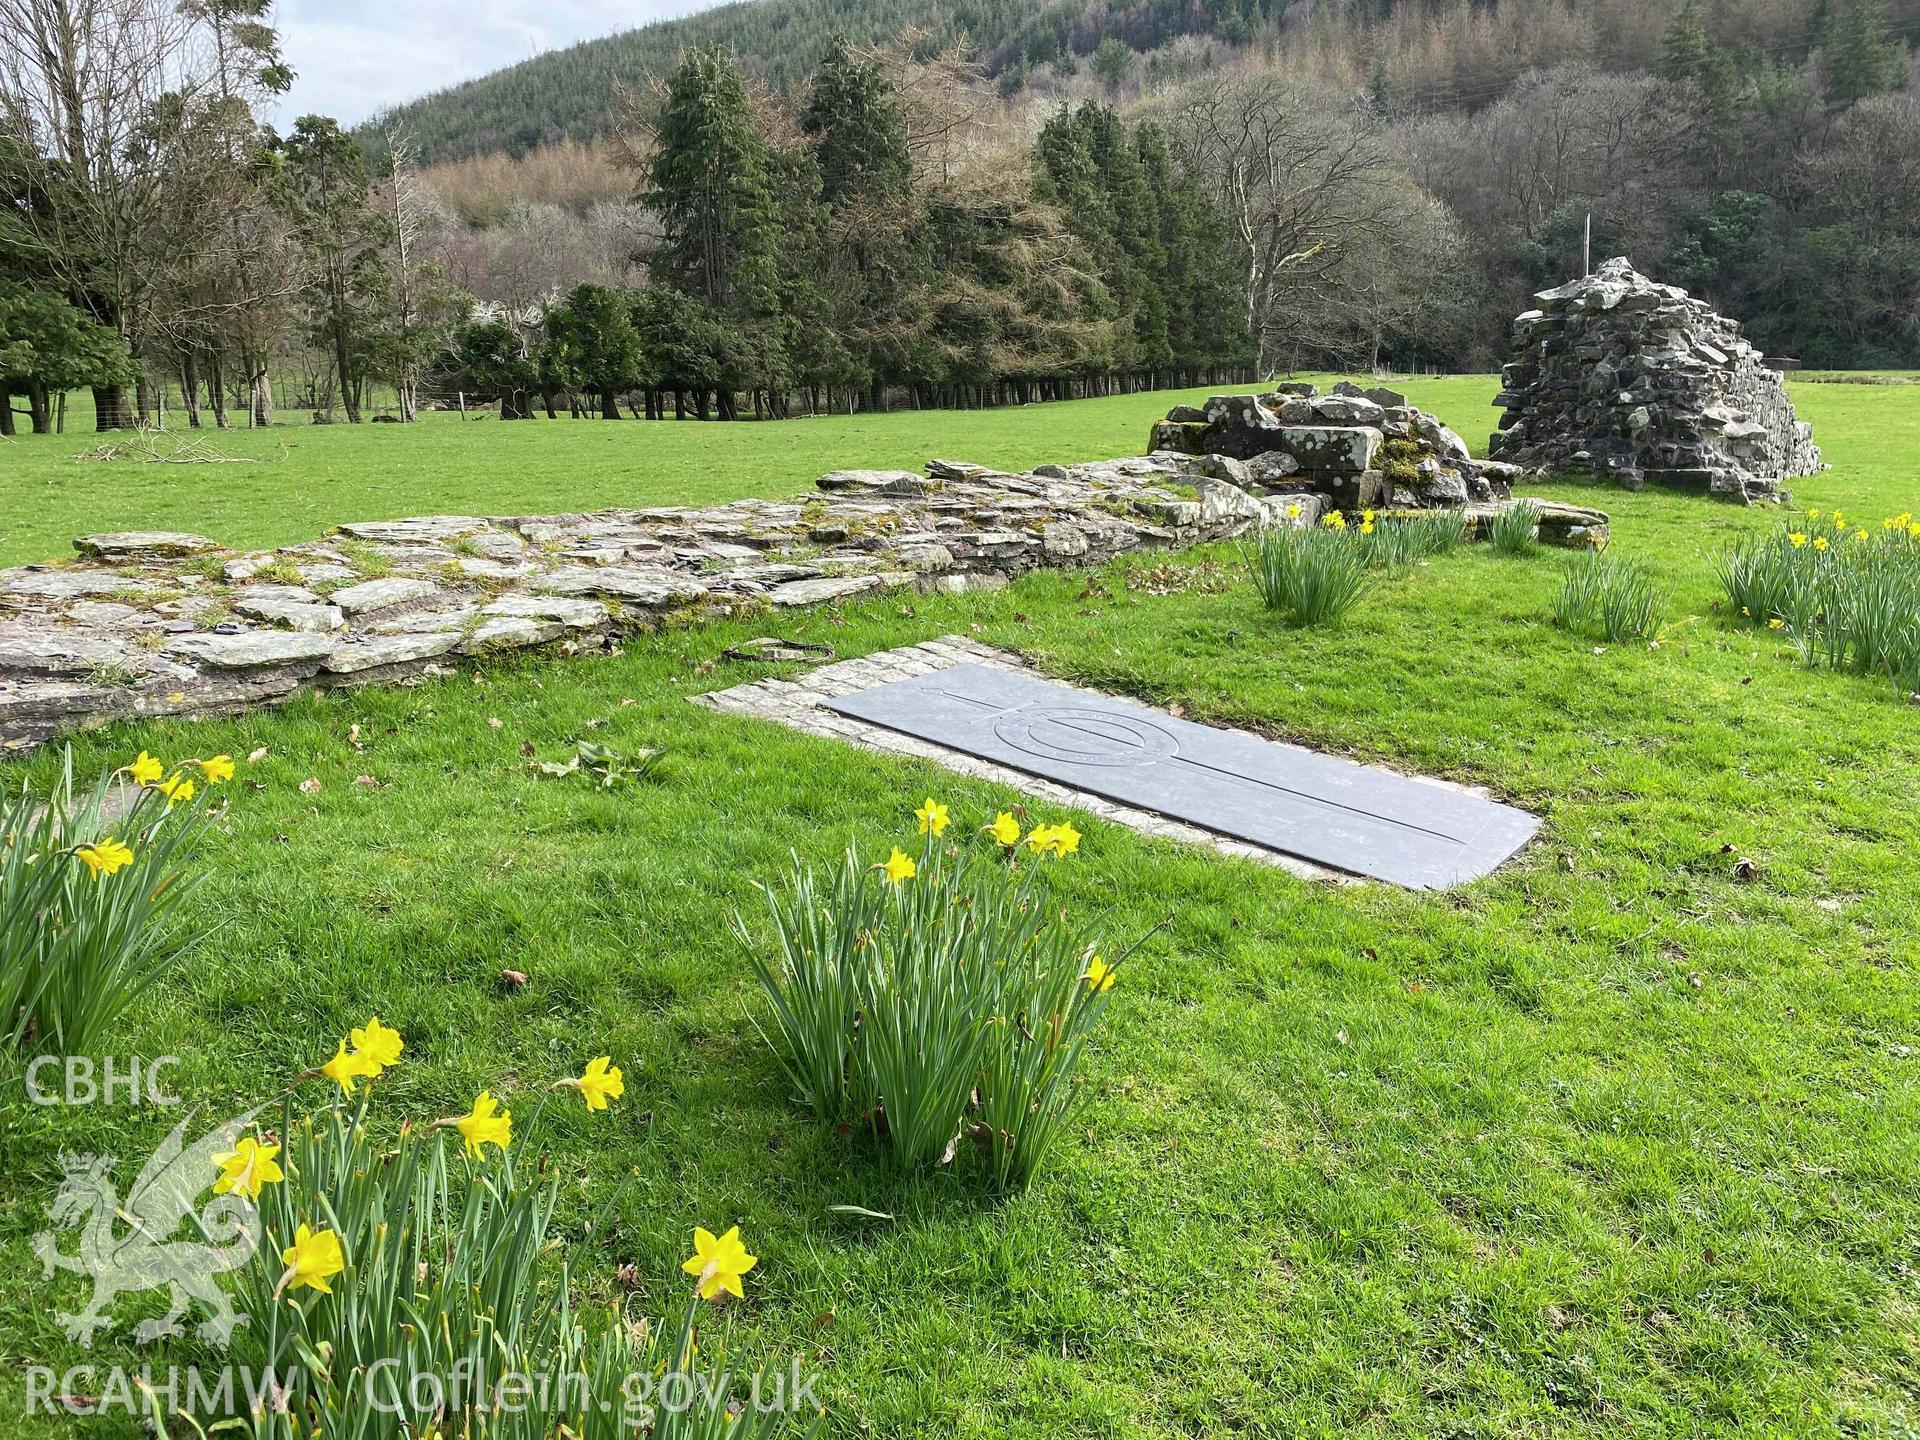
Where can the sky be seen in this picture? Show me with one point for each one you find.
(354, 57)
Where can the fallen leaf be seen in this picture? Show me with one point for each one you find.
(310, 786)
(526, 749)
(494, 722)
(254, 757)
(513, 979)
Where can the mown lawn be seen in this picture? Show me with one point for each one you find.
(1609, 1143)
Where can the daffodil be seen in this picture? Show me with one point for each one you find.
(1099, 975)
(349, 1066)
(1820, 542)
(1005, 829)
(1776, 623)
(1813, 514)
(379, 1044)
(599, 1083)
(103, 857)
(175, 787)
(899, 867)
(1914, 530)
(312, 1260)
(1293, 512)
(1366, 527)
(718, 1263)
(1061, 839)
(247, 1168)
(1839, 521)
(1334, 520)
(1796, 539)
(145, 769)
(218, 769)
(932, 816)
(485, 1124)
(1859, 535)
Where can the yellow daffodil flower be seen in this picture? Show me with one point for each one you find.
(175, 787)
(1366, 527)
(103, 857)
(1796, 539)
(1813, 514)
(1005, 829)
(1859, 535)
(932, 816)
(483, 1126)
(1839, 521)
(1334, 520)
(1366, 517)
(218, 770)
(347, 1067)
(145, 769)
(1293, 512)
(312, 1260)
(719, 1264)
(899, 867)
(247, 1168)
(1099, 975)
(379, 1044)
(1776, 623)
(599, 1083)
(1059, 840)
(1914, 530)
(1819, 542)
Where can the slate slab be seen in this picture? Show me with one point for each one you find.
(1357, 818)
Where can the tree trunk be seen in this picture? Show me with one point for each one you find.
(110, 408)
(190, 388)
(39, 407)
(216, 392)
(260, 412)
(6, 411)
(342, 361)
(609, 406)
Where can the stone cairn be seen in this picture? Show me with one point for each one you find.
(1618, 375)
(154, 623)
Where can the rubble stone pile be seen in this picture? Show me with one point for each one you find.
(1358, 448)
(1621, 376)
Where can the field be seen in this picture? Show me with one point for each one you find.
(1612, 1143)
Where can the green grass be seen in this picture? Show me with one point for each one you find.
(1610, 1143)
(310, 477)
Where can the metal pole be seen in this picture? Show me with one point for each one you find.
(1586, 249)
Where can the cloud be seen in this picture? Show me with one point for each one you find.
(356, 57)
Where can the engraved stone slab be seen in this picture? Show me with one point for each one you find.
(1357, 818)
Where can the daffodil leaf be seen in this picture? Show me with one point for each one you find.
(861, 1211)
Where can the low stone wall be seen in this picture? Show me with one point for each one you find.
(149, 623)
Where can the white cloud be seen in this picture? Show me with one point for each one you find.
(354, 57)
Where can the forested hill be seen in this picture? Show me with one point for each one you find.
(567, 94)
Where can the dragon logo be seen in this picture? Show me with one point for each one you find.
(133, 1247)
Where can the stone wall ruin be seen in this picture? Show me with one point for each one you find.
(1618, 375)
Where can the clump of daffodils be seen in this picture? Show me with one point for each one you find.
(364, 1230)
(937, 1000)
(1846, 597)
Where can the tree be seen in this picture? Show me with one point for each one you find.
(345, 242)
(79, 82)
(711, 183)
(48, 346)
(1112, 61)
(1862, 57)
(493, 358)
(1295, 173)
(592, 345)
